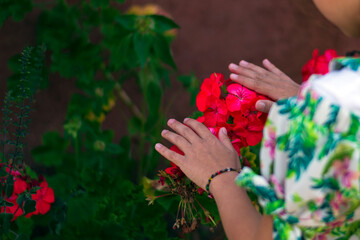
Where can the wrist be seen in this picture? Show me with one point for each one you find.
(222, 181)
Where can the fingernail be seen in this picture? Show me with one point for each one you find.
(243, 63)
(233, 76)
(233, 66)
(164, 131)
(224, 131)
(186, 119)
(260, 106)
(171, 121)
(158, 146)
(266, 61)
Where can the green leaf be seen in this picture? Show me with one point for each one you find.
(127, 21)
(15, 9)
(154, 97)
(142, 43)
(22, 236)
(163, 51)
(5, 220)
(80, 210)
(100, 3)
(29, 206)
(163, 24)
(21, 199)
(191, 84)
(6, 203)
(9, 186)
(52, 151)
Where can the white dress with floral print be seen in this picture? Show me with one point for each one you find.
(310, 160)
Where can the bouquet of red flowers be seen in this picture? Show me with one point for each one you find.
(221, 103)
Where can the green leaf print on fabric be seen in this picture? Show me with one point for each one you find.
(331, 118)
(325, 183)
(301, 145)
(341, 151)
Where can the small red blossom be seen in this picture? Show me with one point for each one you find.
(318, 64)
(239, 98)
(174, 171)
(20, 186)
(43, 197)
(210, 91)
(216, 113)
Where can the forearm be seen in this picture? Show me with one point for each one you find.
(239, 217)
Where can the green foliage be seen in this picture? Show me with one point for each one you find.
(96, 180)
(16, 111)
(15, 9)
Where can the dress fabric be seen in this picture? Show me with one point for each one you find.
(310, 159)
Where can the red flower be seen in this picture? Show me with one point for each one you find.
(43, 197)
(174, 171)
(15, 209)
(249, 128)
(239, 98)
(318, 64)
(217, 112)
(218, 78)
(20, 186)
(210, 90)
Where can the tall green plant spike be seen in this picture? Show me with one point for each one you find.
(17, 104)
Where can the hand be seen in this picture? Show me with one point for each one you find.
(271, 81)
(204, 153)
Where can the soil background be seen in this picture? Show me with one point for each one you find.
(213, 34)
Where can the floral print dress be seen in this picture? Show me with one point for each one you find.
(310, 165)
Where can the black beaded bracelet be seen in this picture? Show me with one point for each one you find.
(216, 174)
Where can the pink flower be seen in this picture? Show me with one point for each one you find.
(343, 172)
(239, 98)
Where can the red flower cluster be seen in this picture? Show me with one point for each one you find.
(234, 110)
(44, 195)
(318, 64)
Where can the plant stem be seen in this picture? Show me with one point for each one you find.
(124, 97)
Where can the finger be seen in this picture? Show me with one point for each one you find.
(176, 139)
(263, 105)
(183, 130)
(199, 128)
(243, 71)
(272, 68)
(253, 84)
(170, 155)
(253, 67)
(224, 138)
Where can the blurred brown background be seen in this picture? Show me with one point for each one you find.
(213, 34)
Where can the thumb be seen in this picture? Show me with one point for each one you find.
(263, 105)
(224, 138)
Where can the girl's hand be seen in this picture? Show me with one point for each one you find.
(204, 154)
(271, 81)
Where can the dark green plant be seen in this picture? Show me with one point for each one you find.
(14, 128)
(98, 182)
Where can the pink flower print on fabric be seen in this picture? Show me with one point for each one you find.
(277, 186)
(344, 173)
(337, 202)
(271, 142)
